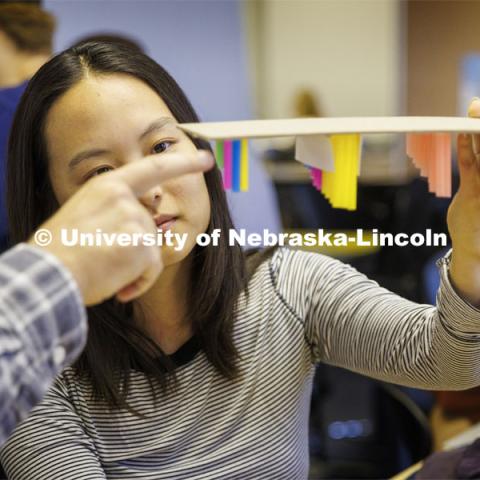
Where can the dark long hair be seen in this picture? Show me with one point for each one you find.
(115, 344)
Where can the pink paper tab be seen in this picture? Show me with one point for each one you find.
(316, 175)
(227, 164)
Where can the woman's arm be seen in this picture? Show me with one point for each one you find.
(464, 218)
(51, 444)
(352, 322)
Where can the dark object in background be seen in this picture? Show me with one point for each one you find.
(405, 208)
(440, 465)
(390, 209)
(363, 428)
(463, 403)
(461, 463)
(469, 465)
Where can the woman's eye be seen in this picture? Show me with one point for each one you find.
(161, 146)
(99, 171)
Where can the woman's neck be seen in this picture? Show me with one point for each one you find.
(163, 311)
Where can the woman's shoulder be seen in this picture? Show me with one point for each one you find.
(256, 257)
(289, 260)
(261, 261)
(286, 265)
(68, 387)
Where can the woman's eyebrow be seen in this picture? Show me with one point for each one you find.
(94, 152)
(158, 125)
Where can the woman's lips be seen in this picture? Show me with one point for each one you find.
(165, 222)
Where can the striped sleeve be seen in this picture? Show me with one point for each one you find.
(352, 322)
(43, 327)
(51, 443)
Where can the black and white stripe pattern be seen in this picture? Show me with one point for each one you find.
(303, 308)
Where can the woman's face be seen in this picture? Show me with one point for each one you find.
(104, 122)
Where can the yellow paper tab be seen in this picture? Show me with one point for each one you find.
(244, 165)
(340, 186)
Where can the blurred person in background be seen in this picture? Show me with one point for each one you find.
(298, 200)
(26, 35)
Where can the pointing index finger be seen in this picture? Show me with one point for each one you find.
(141, 176)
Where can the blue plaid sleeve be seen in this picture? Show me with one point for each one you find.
(43, 328)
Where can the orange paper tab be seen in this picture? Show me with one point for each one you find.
(431, 154)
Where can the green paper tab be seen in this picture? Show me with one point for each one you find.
(219, 153)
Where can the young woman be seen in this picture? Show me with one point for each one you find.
(208, 375)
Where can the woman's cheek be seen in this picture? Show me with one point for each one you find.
(190, 189)
(195, 201)
(61, 191)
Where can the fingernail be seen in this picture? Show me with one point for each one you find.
(474, 100)
(475, 145)
(473, 108)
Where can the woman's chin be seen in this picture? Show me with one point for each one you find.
(172, 255)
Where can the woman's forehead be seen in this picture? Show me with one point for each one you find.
(103, 105)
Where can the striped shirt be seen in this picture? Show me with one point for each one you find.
(43, 327)
(303, 308)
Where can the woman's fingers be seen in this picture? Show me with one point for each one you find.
(468, 155)
(142, 284)
(155, 169)
(474, 112)
(466, 165)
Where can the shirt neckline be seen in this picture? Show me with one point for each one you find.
(186, 353)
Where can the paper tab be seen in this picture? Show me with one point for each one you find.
(431, 153)
(244, 165)
(227, 165)
(219, 153)
(236, 165)
(316, 175)
(314, 150)
(340, 186)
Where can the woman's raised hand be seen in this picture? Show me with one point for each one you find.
(464, 216)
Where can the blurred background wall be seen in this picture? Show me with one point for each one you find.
(440, 36)
(347, 51)
(200, 42)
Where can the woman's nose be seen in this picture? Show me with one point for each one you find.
(152, 198)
